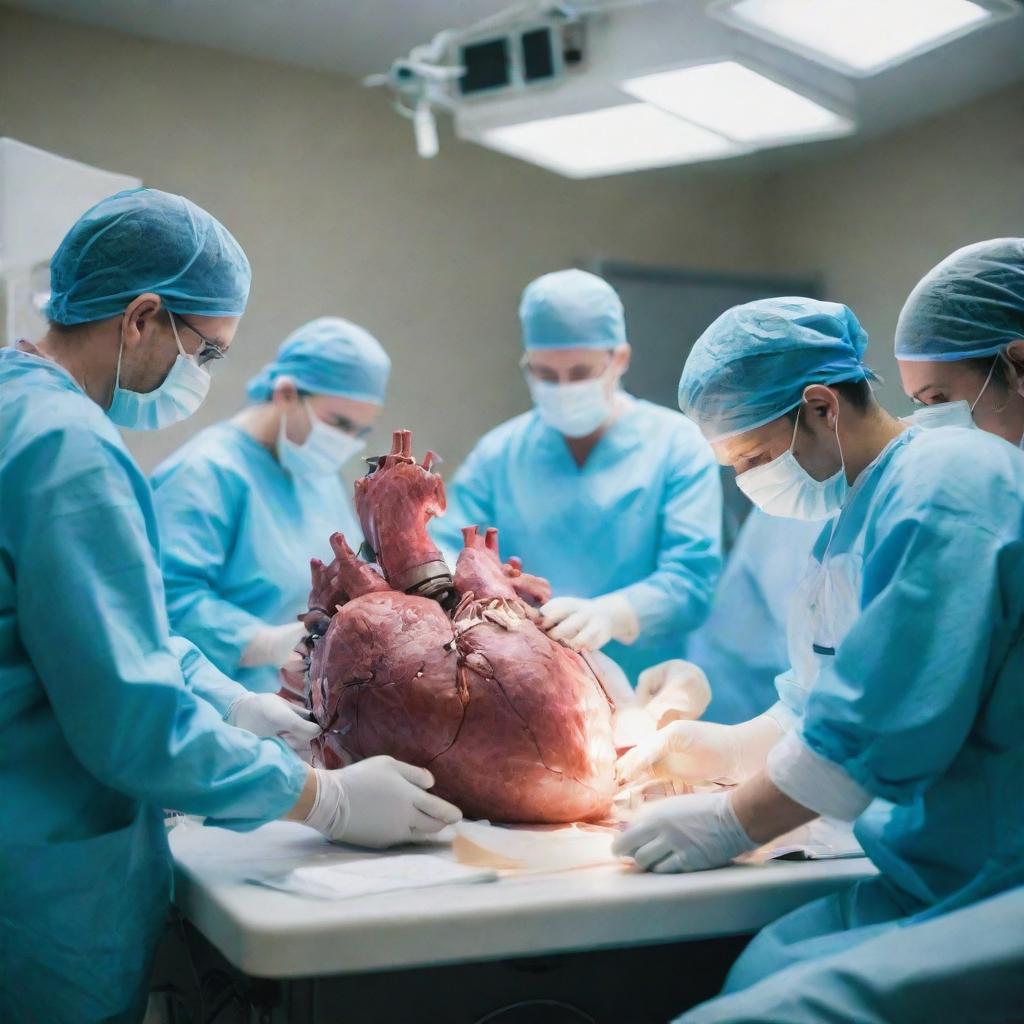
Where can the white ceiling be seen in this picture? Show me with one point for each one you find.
(358, 37)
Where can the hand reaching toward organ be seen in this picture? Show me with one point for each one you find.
(672, 691)
(267, 714)
(587, 624)
(378, 802)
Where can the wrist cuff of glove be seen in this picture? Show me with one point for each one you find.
(734, 835)
(814, 781)
(625, 624)
(330, 811)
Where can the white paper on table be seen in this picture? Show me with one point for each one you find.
(557, 848)
(372, 876)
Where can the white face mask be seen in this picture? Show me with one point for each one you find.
(179, 395)
(574, 410)
(950, 414)
(325, 450)
(784, 488)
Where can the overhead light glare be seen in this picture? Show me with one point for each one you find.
(859, 37)
(610, 140)
(730, 99)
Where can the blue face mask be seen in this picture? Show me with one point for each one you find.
(178, 396)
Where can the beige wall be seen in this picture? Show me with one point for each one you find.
(875, 220)
(320, 182)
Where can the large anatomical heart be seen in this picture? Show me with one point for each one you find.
(450, 673)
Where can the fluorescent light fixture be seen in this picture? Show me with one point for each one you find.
(859, 37)
(728, 98)
(610, 140)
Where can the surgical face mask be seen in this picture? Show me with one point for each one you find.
(950, 414)
(574, 410)
(325, 450)
(178, 396)
(783, 487)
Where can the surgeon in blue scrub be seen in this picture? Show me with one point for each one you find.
(960, 348)
(615, 500)
(106, 717)
(902, 706)
(245, 504)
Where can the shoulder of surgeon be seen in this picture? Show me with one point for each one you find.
(653, 426)
(965, 472)
(217, 452)
(44, 415)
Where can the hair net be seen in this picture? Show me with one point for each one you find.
(752, 364)
(144, 240)
(328, 356)
(971, 304)
(571, 309)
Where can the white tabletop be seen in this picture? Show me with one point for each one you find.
(273, 934)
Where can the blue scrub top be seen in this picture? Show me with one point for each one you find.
(641, 517)
(237, 535)
(104, 716)
(922, 702)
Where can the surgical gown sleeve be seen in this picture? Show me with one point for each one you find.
(470, 498)
(91, 617)
(197, 508)
(676, 597)
(895, 708)
(203, 677)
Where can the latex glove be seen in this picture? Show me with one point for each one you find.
(587, 624)
(702, 752)
(685, 833)
(272, 645)
(378, 802)
(266, 714)
(673, 690)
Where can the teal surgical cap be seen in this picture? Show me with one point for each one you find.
(571, 309)
(970, 305)
(144, 240)
(752, 364)
(328, 356)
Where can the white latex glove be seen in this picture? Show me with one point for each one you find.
(673, 690)
(685, 833)
(587, 624)
(702, 752)
(378, 802)
(272, 645)
(266, 714)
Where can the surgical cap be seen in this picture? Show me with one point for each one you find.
(752, 364)
(571, 309)
(144, 240)
(971, 304)
(328, 356)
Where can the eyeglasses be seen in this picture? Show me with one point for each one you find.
(210, 351)
(574, 375)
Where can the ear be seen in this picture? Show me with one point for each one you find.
(1015, 356)
(822, 404)
(139, 317)
(623, 355)
(285, 395)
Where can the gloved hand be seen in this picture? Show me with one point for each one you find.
(701, 752)
(378, 802)
(685, 833)
(673, 690)
(587, 624)
(266, 714)
(272, 645)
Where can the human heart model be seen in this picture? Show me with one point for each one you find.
(451, 673)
